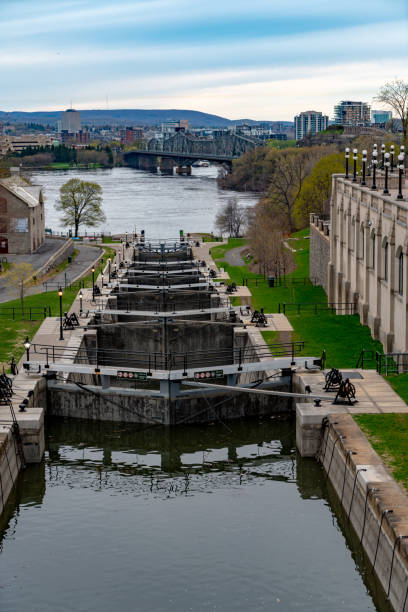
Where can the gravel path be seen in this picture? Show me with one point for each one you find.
(233, 257)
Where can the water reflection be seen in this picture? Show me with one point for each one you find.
(196, 518)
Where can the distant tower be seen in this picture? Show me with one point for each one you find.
(71, 121)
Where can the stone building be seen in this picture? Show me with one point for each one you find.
(368, 257)
(22, 222)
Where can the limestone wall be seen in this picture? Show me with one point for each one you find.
(319, 251)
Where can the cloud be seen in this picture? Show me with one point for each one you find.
(160, 53)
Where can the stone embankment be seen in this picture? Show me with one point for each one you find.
(373, 502)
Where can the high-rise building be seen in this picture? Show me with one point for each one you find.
(381, 116)
(349, 112)
(71, 121)
(310, 122)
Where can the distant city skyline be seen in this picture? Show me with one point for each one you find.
(259, 60)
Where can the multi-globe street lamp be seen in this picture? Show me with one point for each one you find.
(363, 182)
(374, 163)
(387, 165)
(347, 155)
(355, 165)
(400, 170)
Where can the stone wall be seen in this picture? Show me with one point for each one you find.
(319, 251)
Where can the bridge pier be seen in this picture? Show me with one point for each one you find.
(183, 170)
(148, 163)
(166, 165)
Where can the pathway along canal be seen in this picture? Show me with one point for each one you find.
(224, 517)
(161, 205)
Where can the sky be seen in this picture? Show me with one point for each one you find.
(257, 59)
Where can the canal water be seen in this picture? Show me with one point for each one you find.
(220, 518)
(161, 205)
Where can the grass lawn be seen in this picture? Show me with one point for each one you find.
(342, 336)
(13, 333)
(400, 384)
(380, 430)
(218, 252)
(108, 240)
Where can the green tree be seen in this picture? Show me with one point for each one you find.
(81, 204)
(316, 189)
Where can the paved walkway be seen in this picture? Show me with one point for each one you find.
(233, 257)
(373, 393)
(86, 257)
(203, 252)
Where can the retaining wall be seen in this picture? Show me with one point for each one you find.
(67, 400)
(61, 255)
(367, 492)
(319, 251)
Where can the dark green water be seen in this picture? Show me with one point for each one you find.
(216, 518)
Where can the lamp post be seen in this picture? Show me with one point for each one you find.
(354, 165)
(101, 281)
(392, 158)
(374, 162)
(387, 165)
(347, 155)
(61, 336)
(123, 250)
(401, 170)
(382, 156)
(27, 345)
(109, 268)
(93, 285)
(363, 182)
(81, 295)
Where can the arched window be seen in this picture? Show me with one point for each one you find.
(373, 250)
(401, 273)
(386, 260)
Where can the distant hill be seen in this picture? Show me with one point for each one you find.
(126, 116)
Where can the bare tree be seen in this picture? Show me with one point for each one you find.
(395, 94)
(231, 219)
(265, 234)
(19, 277)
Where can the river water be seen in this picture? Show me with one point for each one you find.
(161, 205)
(218, 518)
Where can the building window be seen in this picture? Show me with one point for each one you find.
(373, 250)
(386, 261)
(401, 273)
(362, 241)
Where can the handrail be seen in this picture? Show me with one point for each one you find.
(348, 307)
(169, 360)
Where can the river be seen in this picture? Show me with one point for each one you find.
(219, 518)
(161, 205)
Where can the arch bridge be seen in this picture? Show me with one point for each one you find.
(183, 149)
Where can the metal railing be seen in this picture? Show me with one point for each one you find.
(165, 361)
(280, 281)
(31, 313)
(66, 285)
(316, 307)
(195, 302)
(392, 363)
